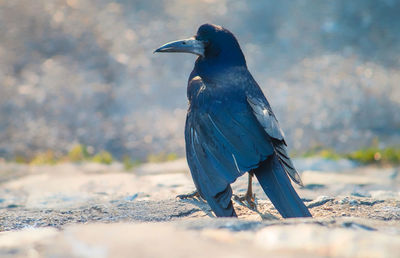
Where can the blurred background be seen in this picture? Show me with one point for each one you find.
(79, 76)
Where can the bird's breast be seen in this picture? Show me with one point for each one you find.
(208, 95)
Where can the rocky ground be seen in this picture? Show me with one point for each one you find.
(91, 210)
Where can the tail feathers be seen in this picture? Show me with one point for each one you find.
(221, 204)
(276, 184)
(283, 156)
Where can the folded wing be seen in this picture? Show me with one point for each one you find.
(268, 121)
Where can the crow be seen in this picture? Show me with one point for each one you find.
(230, 127)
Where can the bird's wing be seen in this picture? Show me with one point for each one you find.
(223, 141)
(205, 172)
(266, 117)
(268, 121)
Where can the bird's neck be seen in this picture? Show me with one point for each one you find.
(214, 68)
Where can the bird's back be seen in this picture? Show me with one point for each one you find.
(221, 132)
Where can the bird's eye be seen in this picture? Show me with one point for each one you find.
(200, 38)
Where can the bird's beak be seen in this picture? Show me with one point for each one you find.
(190, 45)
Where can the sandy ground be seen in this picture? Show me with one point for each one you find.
(92, 210)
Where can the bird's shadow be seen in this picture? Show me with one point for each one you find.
(200, 203)
(203, 206)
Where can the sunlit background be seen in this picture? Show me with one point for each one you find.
(83, 72)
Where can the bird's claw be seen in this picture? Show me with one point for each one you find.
(248, 200)
(192, 195)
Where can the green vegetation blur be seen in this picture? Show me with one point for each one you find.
(81, 153)
(373, 154)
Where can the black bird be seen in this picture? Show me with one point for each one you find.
(230, 127)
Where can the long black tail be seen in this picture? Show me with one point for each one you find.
(276, 184)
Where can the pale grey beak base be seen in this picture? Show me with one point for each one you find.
(190, 45)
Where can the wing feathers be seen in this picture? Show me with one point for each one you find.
(266, 118)
(284, 158)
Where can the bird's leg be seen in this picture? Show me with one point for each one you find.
(249, 197)
(191, 195)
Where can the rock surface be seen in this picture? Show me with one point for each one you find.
(91, 210)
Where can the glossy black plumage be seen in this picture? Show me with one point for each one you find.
(231, 129)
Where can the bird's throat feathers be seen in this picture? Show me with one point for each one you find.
(221, 59)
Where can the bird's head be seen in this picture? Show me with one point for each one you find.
(212, 43)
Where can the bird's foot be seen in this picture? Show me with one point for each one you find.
(248, 200)
(192, 195)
